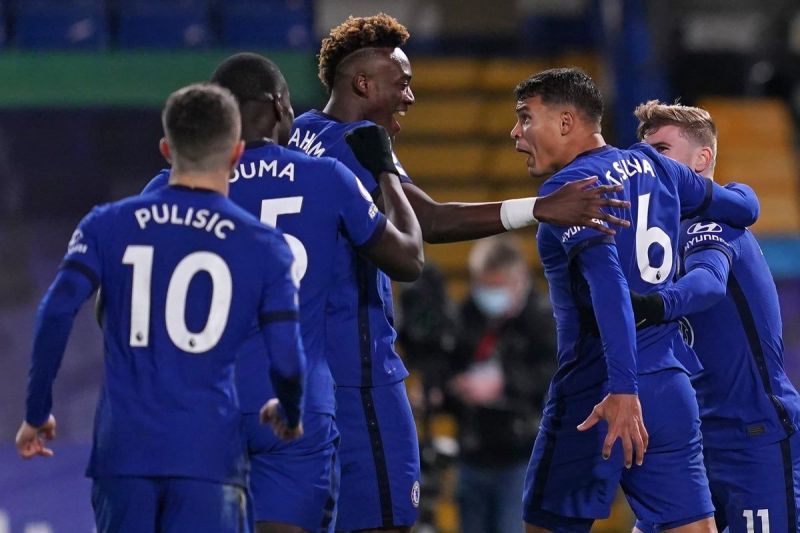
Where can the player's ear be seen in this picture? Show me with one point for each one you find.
(703, 160)
(567, 122)
(360, 84)
(163, 147)
(236, 153)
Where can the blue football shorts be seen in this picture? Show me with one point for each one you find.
(379, 457)
(754, 490)
(294, 482)
(569, 484)
(168, 505)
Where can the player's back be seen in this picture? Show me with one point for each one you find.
(320, 207)
(182, 290)
(745, 396)
(360, 313)
(660, 192)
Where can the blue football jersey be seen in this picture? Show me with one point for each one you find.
(595, 327)
(319, 205)
(360, 314)
(185, 274)
(745, 396)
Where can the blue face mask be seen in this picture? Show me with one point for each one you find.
(493, 302)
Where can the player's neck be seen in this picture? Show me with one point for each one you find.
(342, 110)
(590, 142)
(212, 181)
(252, 134)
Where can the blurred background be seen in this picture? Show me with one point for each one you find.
(82, 83)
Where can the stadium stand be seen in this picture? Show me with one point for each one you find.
(60, 24)
(163, 24)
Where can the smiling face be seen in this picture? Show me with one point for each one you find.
(538, 133)
(672, 141)
(389, 88)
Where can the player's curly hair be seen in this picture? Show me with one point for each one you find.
(355, 33)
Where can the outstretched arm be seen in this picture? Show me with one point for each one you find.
(704, 285)
(578, 203)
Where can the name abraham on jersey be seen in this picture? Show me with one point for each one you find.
(260, 169)
(574, 230)
(172, 214)
(627, 168)
(307, 144)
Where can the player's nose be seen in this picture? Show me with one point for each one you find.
(408, 96)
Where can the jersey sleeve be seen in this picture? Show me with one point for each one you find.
(160, 181)
(403, 175)
(83, 249)
(734, 204)
(280, 327)
(574, 239)
(600, 266)
(707, 259)
(75, 281)
(362, 220)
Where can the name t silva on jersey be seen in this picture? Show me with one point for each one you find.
(627, 168)
(171, 214)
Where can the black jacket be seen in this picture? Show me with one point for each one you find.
(525, 352)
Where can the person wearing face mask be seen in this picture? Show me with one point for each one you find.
(500, 368)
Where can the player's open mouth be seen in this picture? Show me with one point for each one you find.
(531, 160)
(395, 123)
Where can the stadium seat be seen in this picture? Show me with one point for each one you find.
(444, 116)
(60, 24)
(453, 161)
(756, 146)
(444, 74)
(275, 24)
(163, 24)
(502, 75)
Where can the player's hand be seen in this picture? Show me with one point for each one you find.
(648, 309)
(272, 414)
(373, 149)
(579, 204)
(623, 412)
(30, 440)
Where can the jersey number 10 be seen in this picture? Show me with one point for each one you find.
(141, 258)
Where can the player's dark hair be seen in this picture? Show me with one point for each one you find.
(564, 86)
(355, 33)
(249, 77)
(201, 122)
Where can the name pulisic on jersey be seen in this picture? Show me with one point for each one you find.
(202, 219)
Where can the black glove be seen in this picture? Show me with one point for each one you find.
(373, 149)
(648, 309)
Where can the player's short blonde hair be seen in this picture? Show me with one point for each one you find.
(355, 33)
(696, 123)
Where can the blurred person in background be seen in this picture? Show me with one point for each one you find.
(728, 309)
(501, 368)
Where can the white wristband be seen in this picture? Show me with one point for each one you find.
(517, 213)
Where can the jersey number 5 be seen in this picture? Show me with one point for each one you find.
(270, 210)
(141, 258)
(647, 236)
